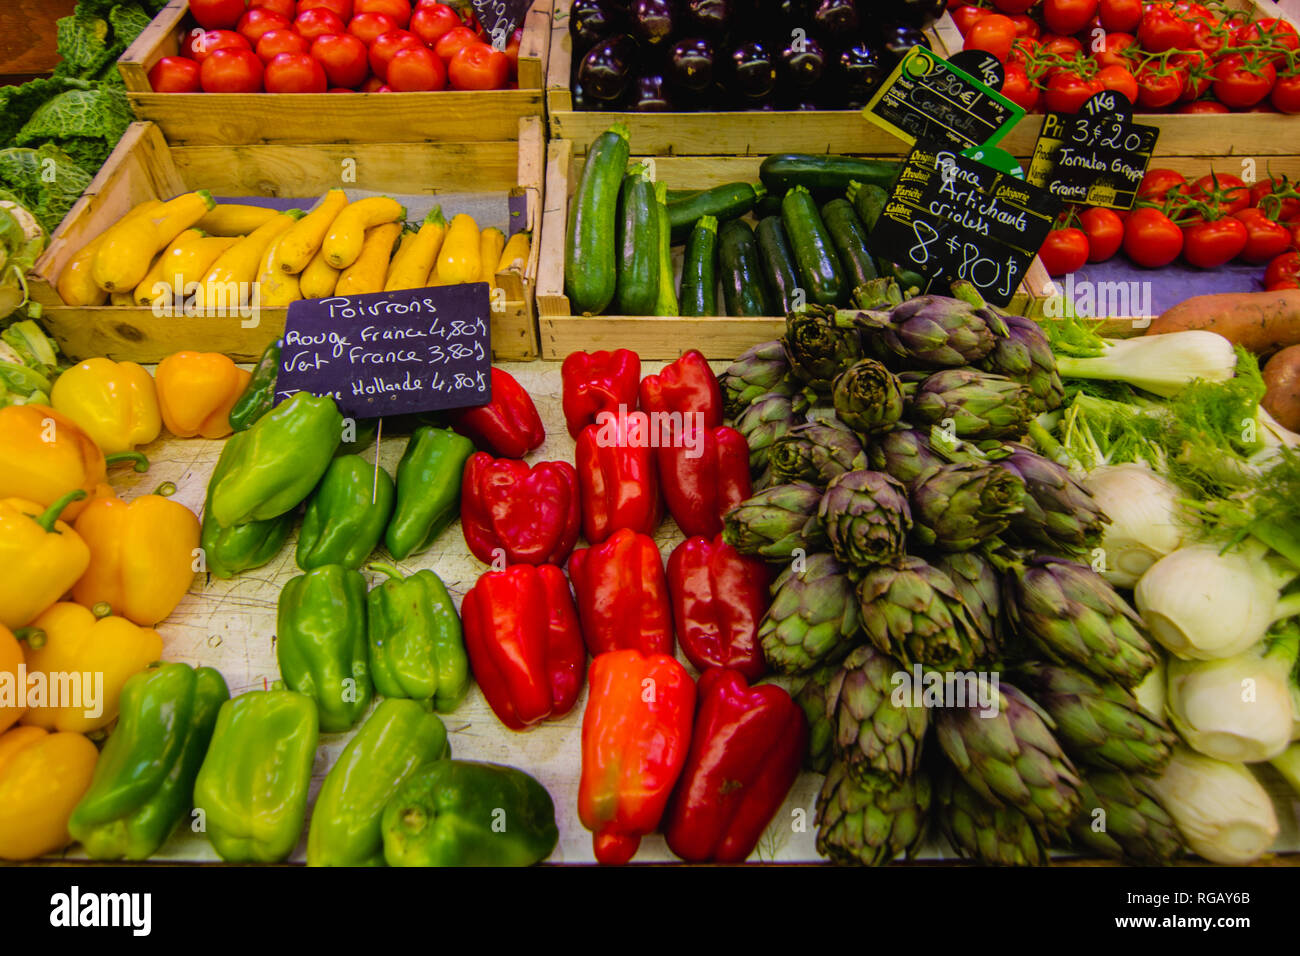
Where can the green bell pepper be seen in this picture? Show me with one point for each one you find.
(227, 551)
(399, 738)
(282, 456)
(466, 813)
(253, 785)
(320, 643)
(346, 514)
(258, 397)
(144, 779)
(417, 648)
(428, 489)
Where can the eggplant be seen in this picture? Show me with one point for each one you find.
(803, 61)
(652, 20)
(835, 18)
(858, 71)
(606, 71)
(709, 17)
(916, 13)
(590, 21)
(651, 94)
(898, 38)
(753, 70)
(690, 64)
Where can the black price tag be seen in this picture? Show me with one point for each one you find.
(930, 99)
(982, 65)
(1097, 156)
(950, 217)
(388, 353)
(500, 18)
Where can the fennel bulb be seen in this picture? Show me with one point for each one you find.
(1146, 520)
(1237, 709)
(1222, 811)
(1150, 693)
(1161, 364)
(1201, 603)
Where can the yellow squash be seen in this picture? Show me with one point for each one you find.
(162, 271)
(303, 240)
(121, 298)
(318, 279)
(490, 244)
(235, 219)
(123, 258)
(76, 284)
(366, 274)
(343, 244)
(237, 267)
(515, 254)
(277, 287)
(459, 259)
(415, 260)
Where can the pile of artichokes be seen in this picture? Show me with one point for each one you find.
(920, 535)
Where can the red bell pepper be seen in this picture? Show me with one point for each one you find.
(704, 477)
(719, 597)
(508, 426)
(686, 386)
(619, 483)
(528, 515)
(525, 647)
(623, 595)
(746, 749)
(635, 735)
(595, 382)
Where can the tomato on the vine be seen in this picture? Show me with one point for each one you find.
(1022, 48)
(1026, 26)
(1162, 29)
(1059, 45)
(992, 34)
(1288, 208)
(1229, 192)
(1064, 251)
(1068, 16)
(1197, 73)
(1121, 16)
(1151, 238)
(1067, 91)
(1269, 31)
(1105, 231)
(1018, 88)
(1113, 48)
(1285, 96)
(1157, 183)
(966, 17)
(1158, 86)
(1242, 81)
(1265, 239)
(1210, 243)
(1285, 268)
(1012, 6)
(1119, 79)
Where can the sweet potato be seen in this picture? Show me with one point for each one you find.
(1282, 379)
(1263, 322)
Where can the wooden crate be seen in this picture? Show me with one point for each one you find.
(720, 337)
(144, 166)
(222, 119)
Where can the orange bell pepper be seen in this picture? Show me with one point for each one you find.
(196, 391)
(115, 403)
(12, 703)
(43, 777)
(41, 556)
(141, 556)
(44, 454)
(85, 660)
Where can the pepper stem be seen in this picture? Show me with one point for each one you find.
(33, 636)
(141, 462)
(166, 489)
(51, 514)
(382, 567)
(101, 610)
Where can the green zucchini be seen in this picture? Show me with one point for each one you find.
(814, 253)
(850, 241)
(667, 303)
(868, 202)
(743, 290)
(638, 244)
(699, 271)
(590, 267)
(675, 194)
(729, 201)
(769, 205)
(824, 173)
(777, 262)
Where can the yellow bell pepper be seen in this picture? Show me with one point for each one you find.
(44, 454)
(115, 403)
(141, 556)
(12, 703)
(43, 777)
(41, 556)
(196, 391)
(86, 653)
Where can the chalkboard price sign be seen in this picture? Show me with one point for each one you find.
(388, 353)
(500, 18)
(953, 217)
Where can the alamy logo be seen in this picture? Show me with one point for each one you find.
(651, 430)
(78, 689)
(959, 689)
(75, 909)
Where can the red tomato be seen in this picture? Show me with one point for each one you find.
(1120, 16)
(202, 42)
(1013, 6)
(1228, 191)
(1026, 26)
(1271, 31)
(1208, 245)
(383, 49)
(343, 58)
(477, 66)
(1197, 74)
(1151, 239)
(1285, 97)
(1290, 208)
(295, 73)
(1162, 29)
(1158, 89)
(993, 34)
(512, 52)
(1208, 37)
(453, 40)
(340, 8)
(318, 22)
(1203, 107)
(416, 70)
(260, 20)
(431, 22)
(1064, 250)
(1157, 183)
(1113, 49)
(1285, 268)
(231, 70)
(1241, 82)
(368, 27)
(1068, 16)
(175, 74)
(286, 8)
(1265, 239)
(1105, 232)
(1067, 92)
(217, 14)
(1018, 89)
(275, 42)
(1061, 46)
(1022, 48)
(966, 17)
(399, 11)
(372, 85)
(1119, 79)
